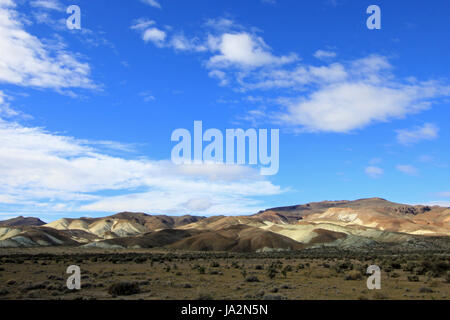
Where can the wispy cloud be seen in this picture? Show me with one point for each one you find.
(27, 61)
(407, 169)
(147, 96)
(445, 194)
(324, 54)
(428, 131)
(374, 172)
(152, 3)
(47, 4)
(42, 171)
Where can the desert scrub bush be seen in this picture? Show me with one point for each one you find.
(413, 278)
(285, 270)
(252, 279)
(124, 289)
(410, 266)
(214, 264)
(204, 296)
(272, 272)
(215, 272)
(353, 275)
(343, 266)
(4, 292)
(201, 270)
(425, 290)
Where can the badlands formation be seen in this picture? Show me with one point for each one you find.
(360, 224)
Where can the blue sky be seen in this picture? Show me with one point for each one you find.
(86, 115)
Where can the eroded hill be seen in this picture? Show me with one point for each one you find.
(346, 224)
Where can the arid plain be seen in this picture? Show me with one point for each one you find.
(312, 251)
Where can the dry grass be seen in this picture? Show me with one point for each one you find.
(163, 275)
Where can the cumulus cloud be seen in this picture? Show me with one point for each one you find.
(428, 131)
(228, 44)
(161, 39)
(368, 94)
(149, 32)
(42, 171)
(26, 61)
(333, 97)
(243, 50)
(154, 35)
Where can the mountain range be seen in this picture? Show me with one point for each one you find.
(362, 223)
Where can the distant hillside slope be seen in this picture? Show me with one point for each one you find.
(362, 223)
(123, 224)
(22, 221)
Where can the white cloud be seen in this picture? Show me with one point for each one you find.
(152, 3)
(374, 172)
(5, 109)
(42, 171)
(336, 97)
(348, 106)
(178, 42)
(301, 77)
(149, 32)
(147, 96)
(47, 4)
(244, 50)
(220, 75)
(7, 3)
(368, 94)
(142, 24)
(182, 43)
(428, 131)
(220, 24)
(324, 54)
(407, 169)
(154, 35)
(26, 61)
(231, 49)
